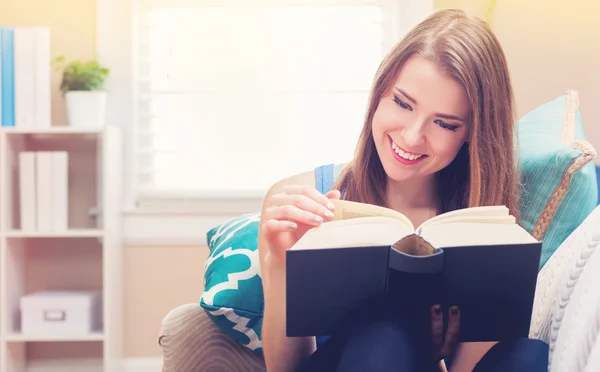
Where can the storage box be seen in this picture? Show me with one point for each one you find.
(54, 312)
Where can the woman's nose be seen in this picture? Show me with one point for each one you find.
(414, 134)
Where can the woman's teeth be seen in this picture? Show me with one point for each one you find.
(403, 154)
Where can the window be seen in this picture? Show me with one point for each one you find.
(230, 96)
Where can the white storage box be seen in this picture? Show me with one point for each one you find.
(64, 312)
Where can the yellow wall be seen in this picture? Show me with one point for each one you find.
(550, 48)
(179, 269)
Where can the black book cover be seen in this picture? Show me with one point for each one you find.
(493, 285)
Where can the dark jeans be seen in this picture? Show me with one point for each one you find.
(377, 339)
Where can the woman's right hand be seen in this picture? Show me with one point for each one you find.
(289, 214)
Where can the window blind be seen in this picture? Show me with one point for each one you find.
(231, 96)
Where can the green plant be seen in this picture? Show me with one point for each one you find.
(81, 75)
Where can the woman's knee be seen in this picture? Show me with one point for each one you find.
(521, 354)
(379, 345)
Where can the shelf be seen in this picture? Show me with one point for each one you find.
(80, 249)
(77, 189)
(17, 337)
(74, 233)
(51, 131)
(52, 363)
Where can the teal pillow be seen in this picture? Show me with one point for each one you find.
(233, 294)
(557, 172)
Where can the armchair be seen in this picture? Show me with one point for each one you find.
(565, 315)
(192, 343)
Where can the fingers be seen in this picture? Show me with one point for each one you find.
(271, 226)
(311, 193)
(333, 194)
(292, 213)
(299, 204)
(437, 326)
(452, 332)
(442, 366)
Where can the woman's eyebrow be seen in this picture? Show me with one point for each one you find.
(408, 97)
(449, 117)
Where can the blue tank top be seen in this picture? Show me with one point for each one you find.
(325, 176)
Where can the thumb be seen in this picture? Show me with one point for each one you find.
(333, 194)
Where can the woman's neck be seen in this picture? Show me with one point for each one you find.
(412, 195)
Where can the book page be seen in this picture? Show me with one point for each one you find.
(455, 234)
(356, 232)
(345, 210)
(500, 220)
(470, 213)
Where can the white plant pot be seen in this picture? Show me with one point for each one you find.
(86, 109)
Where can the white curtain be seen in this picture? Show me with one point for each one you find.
(231, 96)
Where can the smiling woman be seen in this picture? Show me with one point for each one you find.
(438, 136)
(430, 98)
(423, 127)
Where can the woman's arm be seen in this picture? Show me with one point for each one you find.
(281, 353)
(468, 354)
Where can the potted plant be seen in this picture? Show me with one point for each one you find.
(82, 85)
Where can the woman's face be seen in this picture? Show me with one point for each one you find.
(420, 124)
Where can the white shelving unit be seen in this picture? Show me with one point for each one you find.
(86, 256)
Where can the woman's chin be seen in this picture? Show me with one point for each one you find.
(397, 174)
(400, 174)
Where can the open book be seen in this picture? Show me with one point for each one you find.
(476, 258)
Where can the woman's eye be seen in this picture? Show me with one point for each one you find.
(402, 104)
(446, 125)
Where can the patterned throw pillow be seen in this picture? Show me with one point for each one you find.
(559, 178)
(233, 295)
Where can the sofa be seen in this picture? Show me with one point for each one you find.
(566, 312)
(566, 315)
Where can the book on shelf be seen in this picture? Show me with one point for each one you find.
(25, 86)
(44, 191)
(477, 258)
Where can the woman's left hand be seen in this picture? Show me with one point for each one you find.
(444, 344)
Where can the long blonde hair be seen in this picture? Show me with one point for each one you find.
(484, 172)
